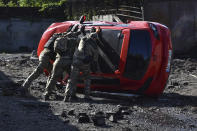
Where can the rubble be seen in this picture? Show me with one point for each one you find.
(64, 114)
(174, 110)
(113, 118)
(99, 118)
(83, 118)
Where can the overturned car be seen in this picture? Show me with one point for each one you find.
(133, 57)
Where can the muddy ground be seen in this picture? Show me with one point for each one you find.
(176, 109)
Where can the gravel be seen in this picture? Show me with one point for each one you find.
(176, 109)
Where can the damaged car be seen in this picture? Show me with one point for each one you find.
(134, 57)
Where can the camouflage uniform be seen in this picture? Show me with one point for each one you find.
(44, 61)
(83, 56)
(64, 47)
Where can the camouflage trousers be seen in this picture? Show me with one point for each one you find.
(44, 63)
(60, 65)
(72, 82)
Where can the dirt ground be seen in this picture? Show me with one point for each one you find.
(176, 109)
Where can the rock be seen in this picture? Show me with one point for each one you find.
(175, 83)
(135, 107)
(192, 126)
(64, 114)
(98, 121)
(121, 108)
(71, 112)
(82, 114)
(186, 83)
(125, 112)
(108, 114)
(100, 114)
(83, 118)
(113, 118)
(99, 118)
(194, 109)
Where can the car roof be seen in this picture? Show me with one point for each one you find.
(107, 25)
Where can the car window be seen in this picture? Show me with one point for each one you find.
(139, 53)
(111, 44)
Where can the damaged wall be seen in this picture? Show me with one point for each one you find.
(21, 34)
(181, 17)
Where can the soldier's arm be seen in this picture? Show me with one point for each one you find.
(95, 63)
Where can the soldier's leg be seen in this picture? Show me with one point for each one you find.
(43, 63)
(35, 74)
(55, 75)
(87, 81)
(49, 69)
(72, 82)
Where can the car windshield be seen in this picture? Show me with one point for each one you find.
(139, 53)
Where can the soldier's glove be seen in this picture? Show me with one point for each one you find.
(98, 30)
(94, 66)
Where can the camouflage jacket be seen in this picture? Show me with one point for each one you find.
(65, 45)
(86, 51)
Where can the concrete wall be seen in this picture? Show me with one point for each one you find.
(21, 35)
(181, 17)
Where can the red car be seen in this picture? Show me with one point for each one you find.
(134, 57)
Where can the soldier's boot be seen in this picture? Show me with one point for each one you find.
(67, 93)
(27, 83)
(46, 95)
(49, 87)
(87, 84)
(66, 98)
(25, 86)
(70, 94)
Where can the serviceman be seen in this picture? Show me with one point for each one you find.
(85, 54)
(44, 60)
(64, 47)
